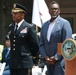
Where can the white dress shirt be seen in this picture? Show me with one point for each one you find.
(50, 28)
(19, 24)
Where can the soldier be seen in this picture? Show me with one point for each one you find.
(6, 56)
(24, 42)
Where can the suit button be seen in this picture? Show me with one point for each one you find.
(14, 40)
(13, 48)
(14, 36)
(13, 44)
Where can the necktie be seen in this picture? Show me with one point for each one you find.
(16, 28)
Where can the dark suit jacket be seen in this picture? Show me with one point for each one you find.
(22, 43)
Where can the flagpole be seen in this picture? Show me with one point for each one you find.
(36, 28)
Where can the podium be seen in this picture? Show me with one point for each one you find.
(70, 65)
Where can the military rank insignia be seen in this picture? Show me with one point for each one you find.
(69, 49)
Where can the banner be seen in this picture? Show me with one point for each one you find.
(40, 13)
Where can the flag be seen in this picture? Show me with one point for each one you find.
(40, 13)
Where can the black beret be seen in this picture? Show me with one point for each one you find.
(7, 37)
(19, 8)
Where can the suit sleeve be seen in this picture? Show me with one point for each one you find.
(34, 42)
(41, 45)
(66, 33)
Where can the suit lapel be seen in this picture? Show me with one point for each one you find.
(7, 53)
(56, 27)
(13, 26)
(46, 29)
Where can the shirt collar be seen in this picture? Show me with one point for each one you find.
(19, 24)
(9, 48)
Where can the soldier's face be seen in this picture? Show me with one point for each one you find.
(7, 42)
(17, 16)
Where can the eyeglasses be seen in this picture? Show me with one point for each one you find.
(54, 8)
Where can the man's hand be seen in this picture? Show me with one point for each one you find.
(48, 60)
(53, 59)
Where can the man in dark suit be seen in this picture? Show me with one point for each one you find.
(6, 56)
(24, 42)
(54, 31)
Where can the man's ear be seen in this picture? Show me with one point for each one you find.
(59, 11)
